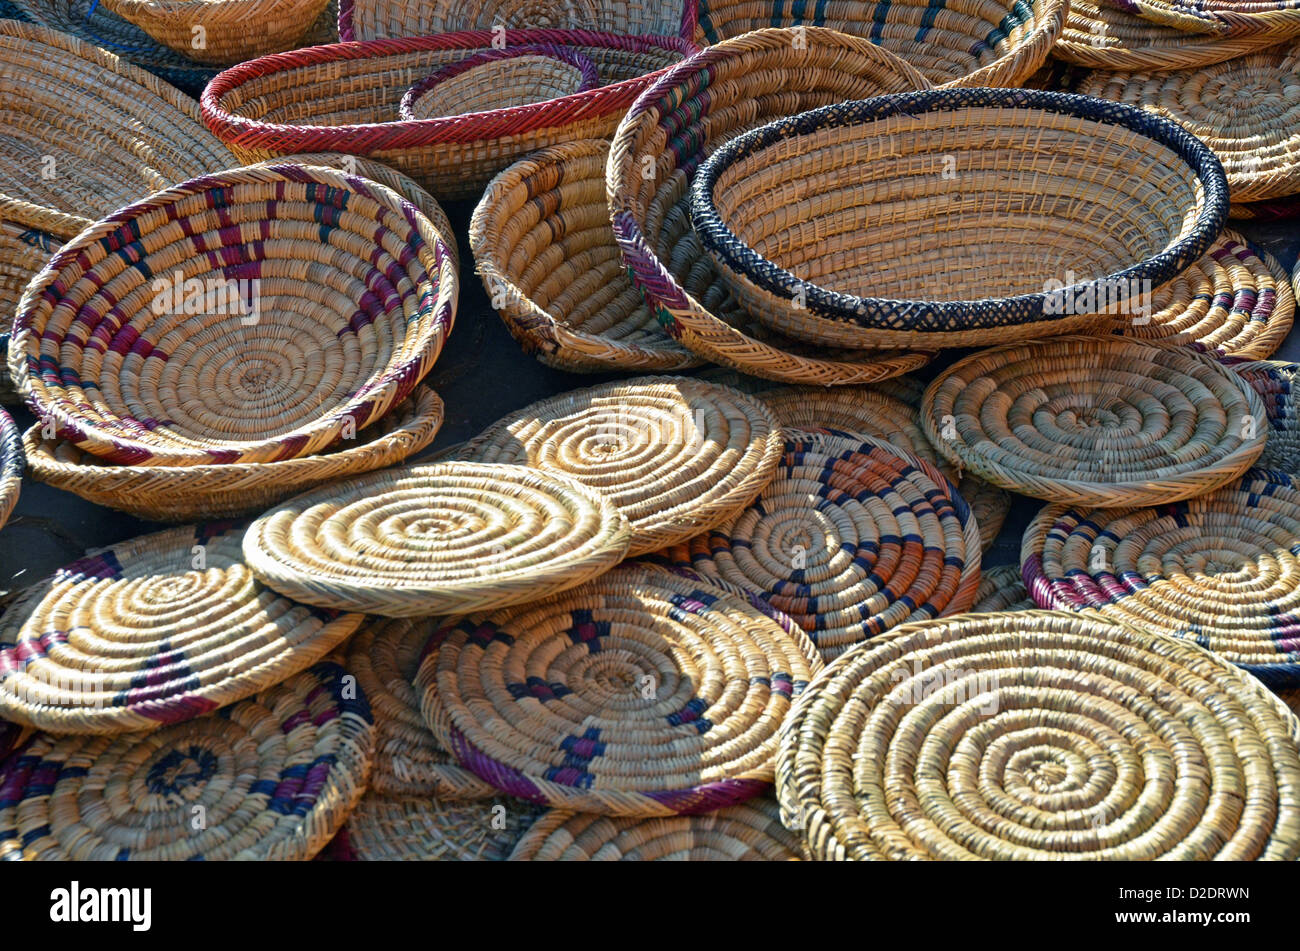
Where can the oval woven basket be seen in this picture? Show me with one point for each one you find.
(83, 132)
(961, 42)
(1096, 420)
(1278, 384)
(499, 79)
(1036, 735)
(190, 493)
(675, 455)
(1236, 301)
(1260, 91)
(851, 538)
(272, 779)
(251, 315)
(637, 694)
(660, 143)
(548, 260)
(23, 252)
(377, 19)
(12, 463)
(1047, 213)
(344, 98)
(222, 31)
(749, 831)
(1002, 589)
(155, 630)
(381, 829)
(1219, 569)
(385, 656)
(440, 539)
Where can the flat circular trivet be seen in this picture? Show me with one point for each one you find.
(638, 694)
(270, 778)
(158, 629)
(676, 455)
(851, 538)
(1039, 735)
(436, 539)
(432, 830)
(1001, 589)
(1096, 420)
(1221, 569)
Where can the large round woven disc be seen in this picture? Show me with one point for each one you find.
(1236, 301)
(851, 538)
(1037, 735)
(1221, 569)
(271, 778)
(1096, 420)
(440, 539)
(1001, 589)
(432, 830)
(749, 831)
(158, 629)
(385, 656)
(640, 694)
(675, 455)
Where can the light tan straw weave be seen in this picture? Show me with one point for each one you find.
(222, 31)
(988, 504)
(1002, 589)
(1039, 735)
(676, 455)
(382, 829)
(376, 19)
(1096, 420)
(23, 252)
(500, 79)
(440, 539)
(12, 463)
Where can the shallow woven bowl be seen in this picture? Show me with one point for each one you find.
(346, 97)
(272, 779)
(222, 31)
(1039, 735)
(962, 42)
(1278, 385)
(189, 493)
(376, 19)
(660, 143)
(1050, 208)
(23, 252)
(549, 263)
(499, 79)
(637, 694)
(356, 294)
(12, 463)
(1102, 421)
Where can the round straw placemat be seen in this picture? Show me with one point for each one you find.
(1236, 301)
(638, 694)
(223, 31)
(1220, 569)
(159, 629)
(250, 315)
(851, 538)
(499, 79)
(1278, 385)
(189, 493)
(676, 455)
(1096, 420)
(12, 463)
(385, 656)
(23, 252)
(382, 829)
(1002, 589)
(272, 778)
(543, 246)
(989, 505)
(436, 539)
(1247, 110)
(1039, 735)
(750, 831)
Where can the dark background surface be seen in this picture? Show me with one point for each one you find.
(481, 375)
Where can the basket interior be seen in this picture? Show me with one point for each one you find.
(498, 85)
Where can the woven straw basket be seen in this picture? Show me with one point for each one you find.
(1278, 385)
(23, 252)
(1277, 19)
(346, 98)
(331, 298)
(543, 246)
(12, 463)
(960, 42)
(499, 79)
(972, 216)
(222, 31)
(431, 830)
(691, 110)
(378, 19)
(272, 779)
(1037, 735)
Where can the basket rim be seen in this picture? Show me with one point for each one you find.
(347, 28)
(985, 313)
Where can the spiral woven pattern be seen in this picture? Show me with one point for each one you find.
(676, 455)
(1002, 589)
(1220, 569)
(23, 252)
(271, 779)
(1039, 735)
(750, 831)
(232, 30)
(433, 830)
(376, 19)
(1278, 385)
(1096, 420)
(438, 539)
(638, 694)
(251, 315)
(12, 463)
(409, 763)
(989, 506)
(499, 79)
(156, 630)
(851, 538)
